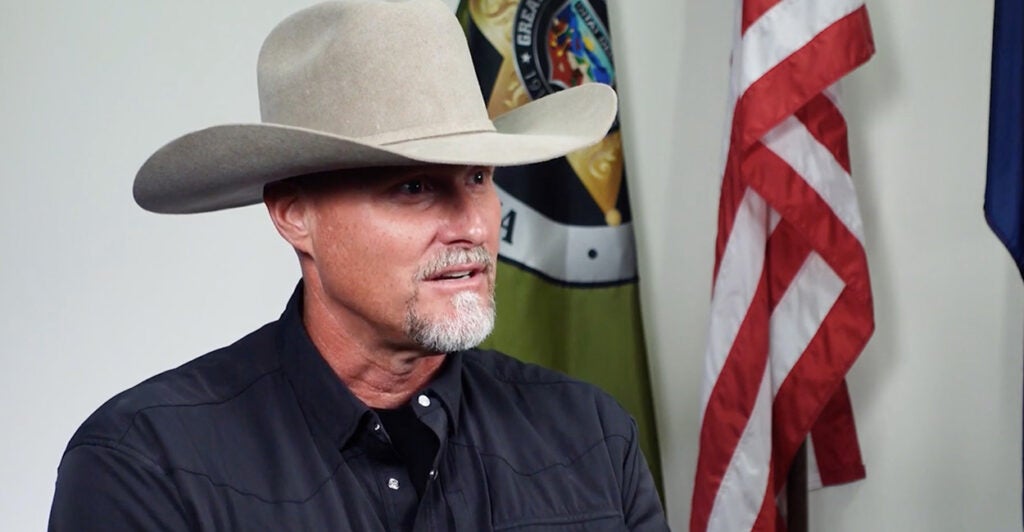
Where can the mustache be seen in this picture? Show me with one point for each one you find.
(455, 257)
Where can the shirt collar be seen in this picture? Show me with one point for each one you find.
(330, 408)
(447, 386)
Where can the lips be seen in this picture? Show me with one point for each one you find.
(457, 272)
(457, 268)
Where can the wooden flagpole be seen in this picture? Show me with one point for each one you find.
(796, 492)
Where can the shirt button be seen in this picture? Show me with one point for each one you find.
(376, 427)
(393, 483)
(432, 474)
(423, 400)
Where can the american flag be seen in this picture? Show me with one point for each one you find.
(791, 306)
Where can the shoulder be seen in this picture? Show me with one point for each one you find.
(511, 372)
(532, 430)
(132, 420)
(543, 395)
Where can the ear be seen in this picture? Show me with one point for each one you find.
(291, 212)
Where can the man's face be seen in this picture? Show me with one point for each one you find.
(406, 256)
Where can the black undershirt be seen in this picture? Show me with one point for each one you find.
(414, 442)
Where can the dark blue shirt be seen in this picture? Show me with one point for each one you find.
(262, 435)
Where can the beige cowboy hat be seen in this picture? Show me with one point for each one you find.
(364, 83)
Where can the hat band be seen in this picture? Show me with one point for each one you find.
(425, 132)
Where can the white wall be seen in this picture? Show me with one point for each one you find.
(98, 295)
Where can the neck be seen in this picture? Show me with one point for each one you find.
(380, 374)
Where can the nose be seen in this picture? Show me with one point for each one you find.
(469, 216)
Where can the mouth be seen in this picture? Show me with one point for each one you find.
(458, 272)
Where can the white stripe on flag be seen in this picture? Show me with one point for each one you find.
(798, 315)
(738, 276)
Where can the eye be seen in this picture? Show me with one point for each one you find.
(412, 187)
(479, 177)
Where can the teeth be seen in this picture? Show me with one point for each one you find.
(459, 275)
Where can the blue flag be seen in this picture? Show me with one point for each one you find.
(1004, 190)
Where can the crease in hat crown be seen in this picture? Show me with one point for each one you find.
(364, 83)
(320, 54)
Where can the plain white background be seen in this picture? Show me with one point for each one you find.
(98, 295)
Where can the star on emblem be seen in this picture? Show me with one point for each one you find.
(525, 58)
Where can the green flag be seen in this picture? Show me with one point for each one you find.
(567, 283)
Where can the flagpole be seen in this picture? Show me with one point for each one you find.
(796, 492)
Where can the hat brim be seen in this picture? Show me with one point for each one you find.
(227, 166)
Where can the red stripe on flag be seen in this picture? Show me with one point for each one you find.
(818, 375)
(826, 124)
(786, 251)
(835, 441)
(803, 75)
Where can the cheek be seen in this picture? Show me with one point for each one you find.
(373, 252)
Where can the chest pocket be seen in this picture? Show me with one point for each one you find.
(578, 493)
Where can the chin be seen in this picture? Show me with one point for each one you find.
(469, 320)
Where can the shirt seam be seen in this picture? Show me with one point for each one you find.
(503, 377)
(559, 520)
(244, 389)
(569, 463)
(133, 454)
(511, 380)
(167, 470)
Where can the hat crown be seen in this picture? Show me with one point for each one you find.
(381, 71)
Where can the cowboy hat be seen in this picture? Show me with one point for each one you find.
(365, 83)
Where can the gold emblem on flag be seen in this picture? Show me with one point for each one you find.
(598, 167)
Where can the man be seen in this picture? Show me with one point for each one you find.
(365, 406)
